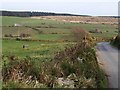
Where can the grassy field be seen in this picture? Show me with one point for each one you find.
(48, 38)
(9, 21)
(53, 26)
(35, 49)
(51, 30)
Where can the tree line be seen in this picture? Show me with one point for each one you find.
(29, 14)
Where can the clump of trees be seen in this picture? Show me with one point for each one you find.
(29, 14)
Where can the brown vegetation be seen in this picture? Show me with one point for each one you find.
(82, 19)
(81, 35)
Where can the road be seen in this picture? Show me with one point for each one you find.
(108, 60)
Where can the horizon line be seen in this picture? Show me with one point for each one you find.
(60, 13)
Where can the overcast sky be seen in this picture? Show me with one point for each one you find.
(82, 7)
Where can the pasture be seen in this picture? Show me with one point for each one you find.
(45, 29)
(51, 26)
(46, 39)
(35, 49)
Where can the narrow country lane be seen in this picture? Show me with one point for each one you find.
(108, 59)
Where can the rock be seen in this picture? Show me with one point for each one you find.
(60, 81)
(66, 83)
(72, 77)
(79, 59)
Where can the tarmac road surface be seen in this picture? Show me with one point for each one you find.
(108, 60)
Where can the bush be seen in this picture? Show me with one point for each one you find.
(8, 35)
(116, 41)
(67, 68)
(12, 84)
(18, 39)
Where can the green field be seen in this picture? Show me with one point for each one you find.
(51, 30)
(52, 26)
(35, 49)
(49, 38)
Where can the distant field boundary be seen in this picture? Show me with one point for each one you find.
(33, 40)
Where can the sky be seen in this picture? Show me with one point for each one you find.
(81, 7)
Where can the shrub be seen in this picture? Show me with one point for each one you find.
(18, 39)
(8, 35)
(30, 70)
(116, 41)
(67, 68)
